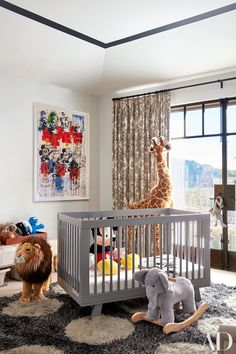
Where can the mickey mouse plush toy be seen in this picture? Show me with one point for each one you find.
(107, 244)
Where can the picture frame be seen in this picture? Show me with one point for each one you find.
(61, 153)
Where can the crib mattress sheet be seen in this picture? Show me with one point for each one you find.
(126, 281)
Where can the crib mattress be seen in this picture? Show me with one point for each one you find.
(192, 271)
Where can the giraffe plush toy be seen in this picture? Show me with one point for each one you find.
(160, 196)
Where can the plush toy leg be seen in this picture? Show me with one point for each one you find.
(47, 283)
(38, 291)
(26, 292)
(173, 327)
(55, 263)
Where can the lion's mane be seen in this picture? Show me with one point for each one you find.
(39, 267)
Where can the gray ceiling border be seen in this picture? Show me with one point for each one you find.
(31, 15)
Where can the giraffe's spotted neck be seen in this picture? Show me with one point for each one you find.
(160, 196)
(163, 188)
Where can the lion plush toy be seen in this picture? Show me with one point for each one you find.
(34, 264)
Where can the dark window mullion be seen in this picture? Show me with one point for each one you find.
(223, 108)
(203, 121)
(184, 121)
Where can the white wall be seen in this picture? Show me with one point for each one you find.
(16, 144)
(200, 93)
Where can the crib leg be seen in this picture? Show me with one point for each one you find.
(197, 294)
(96, 310)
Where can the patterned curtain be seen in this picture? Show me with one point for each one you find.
(135, 121)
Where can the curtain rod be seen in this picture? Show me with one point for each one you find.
(220, 81)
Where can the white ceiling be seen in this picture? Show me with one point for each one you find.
(35, 51)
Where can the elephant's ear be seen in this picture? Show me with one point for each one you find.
(164, 280)
(140, 275)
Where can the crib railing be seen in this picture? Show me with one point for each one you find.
(183, 249)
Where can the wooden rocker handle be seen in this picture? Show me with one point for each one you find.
(176, 327)
(173, 327)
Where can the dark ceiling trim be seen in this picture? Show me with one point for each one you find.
(173, 25)
(31, 15)
(45, 21)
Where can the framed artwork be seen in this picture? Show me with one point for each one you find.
(61, 148)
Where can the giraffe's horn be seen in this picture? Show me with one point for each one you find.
(162, 140)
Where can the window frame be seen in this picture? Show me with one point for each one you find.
(223, 259)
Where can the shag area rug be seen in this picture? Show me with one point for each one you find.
(58, 325)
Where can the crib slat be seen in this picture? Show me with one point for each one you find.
(202, 249)
(119, 245)
(193, 250)
(147, 243)
(59, 247)
(61, 266)
(154, 243)
(139, 237)
(67, 253)
(77, 264)
(84, 246)
(126, 254)
(206, 246)
(133, 254)
(161, 245)
(73, 254)
(174, 248)
(103, 261)
(111, 258)
(95, 260)
(198, 248)
(63, 250)
(187, 247)
(181, 248)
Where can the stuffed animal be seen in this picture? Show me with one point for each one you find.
(34, 222)
(9, 231)
(164, 296)
(34, 264)
(25, 227)
(216, 211)
(131, 259)
(107, 244)
(109, 265)
(110, 260)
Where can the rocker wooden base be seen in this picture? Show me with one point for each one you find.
(173, 327)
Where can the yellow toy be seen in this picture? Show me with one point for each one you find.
(130, 261)
(108, 266)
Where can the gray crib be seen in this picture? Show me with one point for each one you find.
(184, 250)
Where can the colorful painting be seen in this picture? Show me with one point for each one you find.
(61, 149)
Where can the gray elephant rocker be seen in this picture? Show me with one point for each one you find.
(166, 295)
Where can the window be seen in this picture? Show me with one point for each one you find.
(193, 119)
(203, 138)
